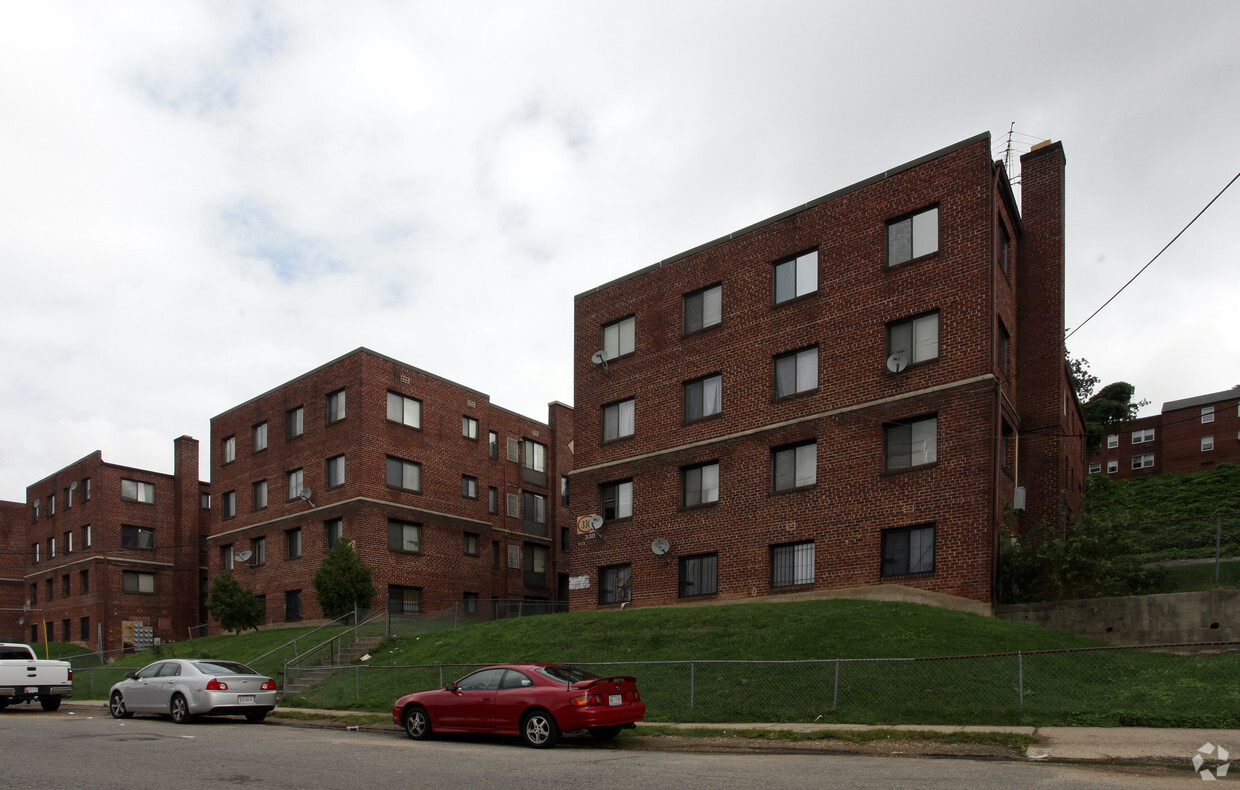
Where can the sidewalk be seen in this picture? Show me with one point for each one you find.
(1137, 745)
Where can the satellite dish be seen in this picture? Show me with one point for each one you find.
(21, 621)
(660, 546)
(595, 522)
(600, 358)
(36, 503)
(896, 363)
(243, 556)
(73, 486)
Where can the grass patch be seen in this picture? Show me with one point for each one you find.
(1198, 578)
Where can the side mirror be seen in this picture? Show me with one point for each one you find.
(131, 675)
(449, 687)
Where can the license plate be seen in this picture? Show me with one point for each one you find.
(32, 689)
(615, 699)
(244, 698)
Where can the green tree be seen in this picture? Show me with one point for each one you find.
(1083, 382)
(342, 581)
(234, 607)
(1107, 412)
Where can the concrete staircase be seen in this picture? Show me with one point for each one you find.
(306, 678)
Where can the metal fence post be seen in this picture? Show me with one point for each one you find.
(835, 699)
(357, 682)
(691, 678)
(1218, 539)
(1020, 679)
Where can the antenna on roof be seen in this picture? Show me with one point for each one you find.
(600, 358)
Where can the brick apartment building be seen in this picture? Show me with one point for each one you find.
(1187, 436)
(106, 552)
(845, 396)
(451, 500)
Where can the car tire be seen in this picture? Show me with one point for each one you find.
(179, 708)
(116, 706)
(605, 733)
(4, 703)
(417, 723)
(539, 729)
(49, 704)
(256, 716)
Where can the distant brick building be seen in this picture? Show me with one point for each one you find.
(1187, 436)
(451, 500)
(13, 562)
(109, 551)
(843, 396)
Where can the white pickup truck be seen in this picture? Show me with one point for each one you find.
(25, 678)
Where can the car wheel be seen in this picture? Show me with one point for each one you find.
(605, 733)
(4, 703)
(539, 729)
(180, 710)
(417, 723)
(49, 704)
(256, 716)
(116, 706)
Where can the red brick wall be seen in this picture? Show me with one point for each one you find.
(13, 547)
(1177, 442)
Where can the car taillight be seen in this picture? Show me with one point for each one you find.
(268, 685)
(214, 684)
(70, 674)
(588, 699)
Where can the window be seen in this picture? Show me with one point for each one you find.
(296, 482)
(703, 397)
(227, 557)
(534, 455)
(260, 437)
(86, 487)
(492, 500)
(914, 339)
(514, 505)
(703, 308)
(913, 236)
(230, 449)
(699, 575)
(204, 501)
(1112, 441)
(260, 495)
(471, 544)
(68, 543)
(137, 537)
(618, 420)
(469, 427)
(493, 444)
(1112, 466)
(137, 582)
(514, 450)
(34, 593)
(86, 536)
(908, 550)
(404, 600)
(471, 602)
(700, 484)
(795, 467)
(615, 583)
(912, 443)
(1145, 461)
(84, 582)
(85, 632)
(796, 372)
(336, 407)
(1207, 414)
(34, 553)
(1142, 436)
(335, 471)
(403, 536)
(535, 568)
(404, 474)
(292, 540)
(335, 531)
(469, 487)
(1207, 444)
(792, 564)
(1005, 248)
(294, 422)
(51, 548)
(617, 499)
(134, 491)
(618, 338)
(796, 276)
(1005, 350)
(228, 504)
(1095, 467)
(258, 551)
(292, 605)
(533, 507)
(51, 502)
(404, 410)
(564, 486)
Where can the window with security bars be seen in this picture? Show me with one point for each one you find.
(792, 564)
(404, 600)
(908, 550)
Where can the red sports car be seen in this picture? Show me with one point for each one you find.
(536, 701)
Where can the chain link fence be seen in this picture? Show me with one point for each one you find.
(1196, 552)
(1161, 685)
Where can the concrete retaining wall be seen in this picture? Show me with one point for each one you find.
(1140, 619)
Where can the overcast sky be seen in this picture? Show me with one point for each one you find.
(201, 201)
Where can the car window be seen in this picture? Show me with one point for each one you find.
(484, 680)
(223, 668)
(13, 655)
(150, 671)
(516, 680)
(567, 674)
(170, 669)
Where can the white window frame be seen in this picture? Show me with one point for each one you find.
(1143, 435)
(1112, 441)
(1143, 461)
(1112, 466)
(1207, 444)
(1207, 414)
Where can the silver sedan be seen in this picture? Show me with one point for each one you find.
(185, 688)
